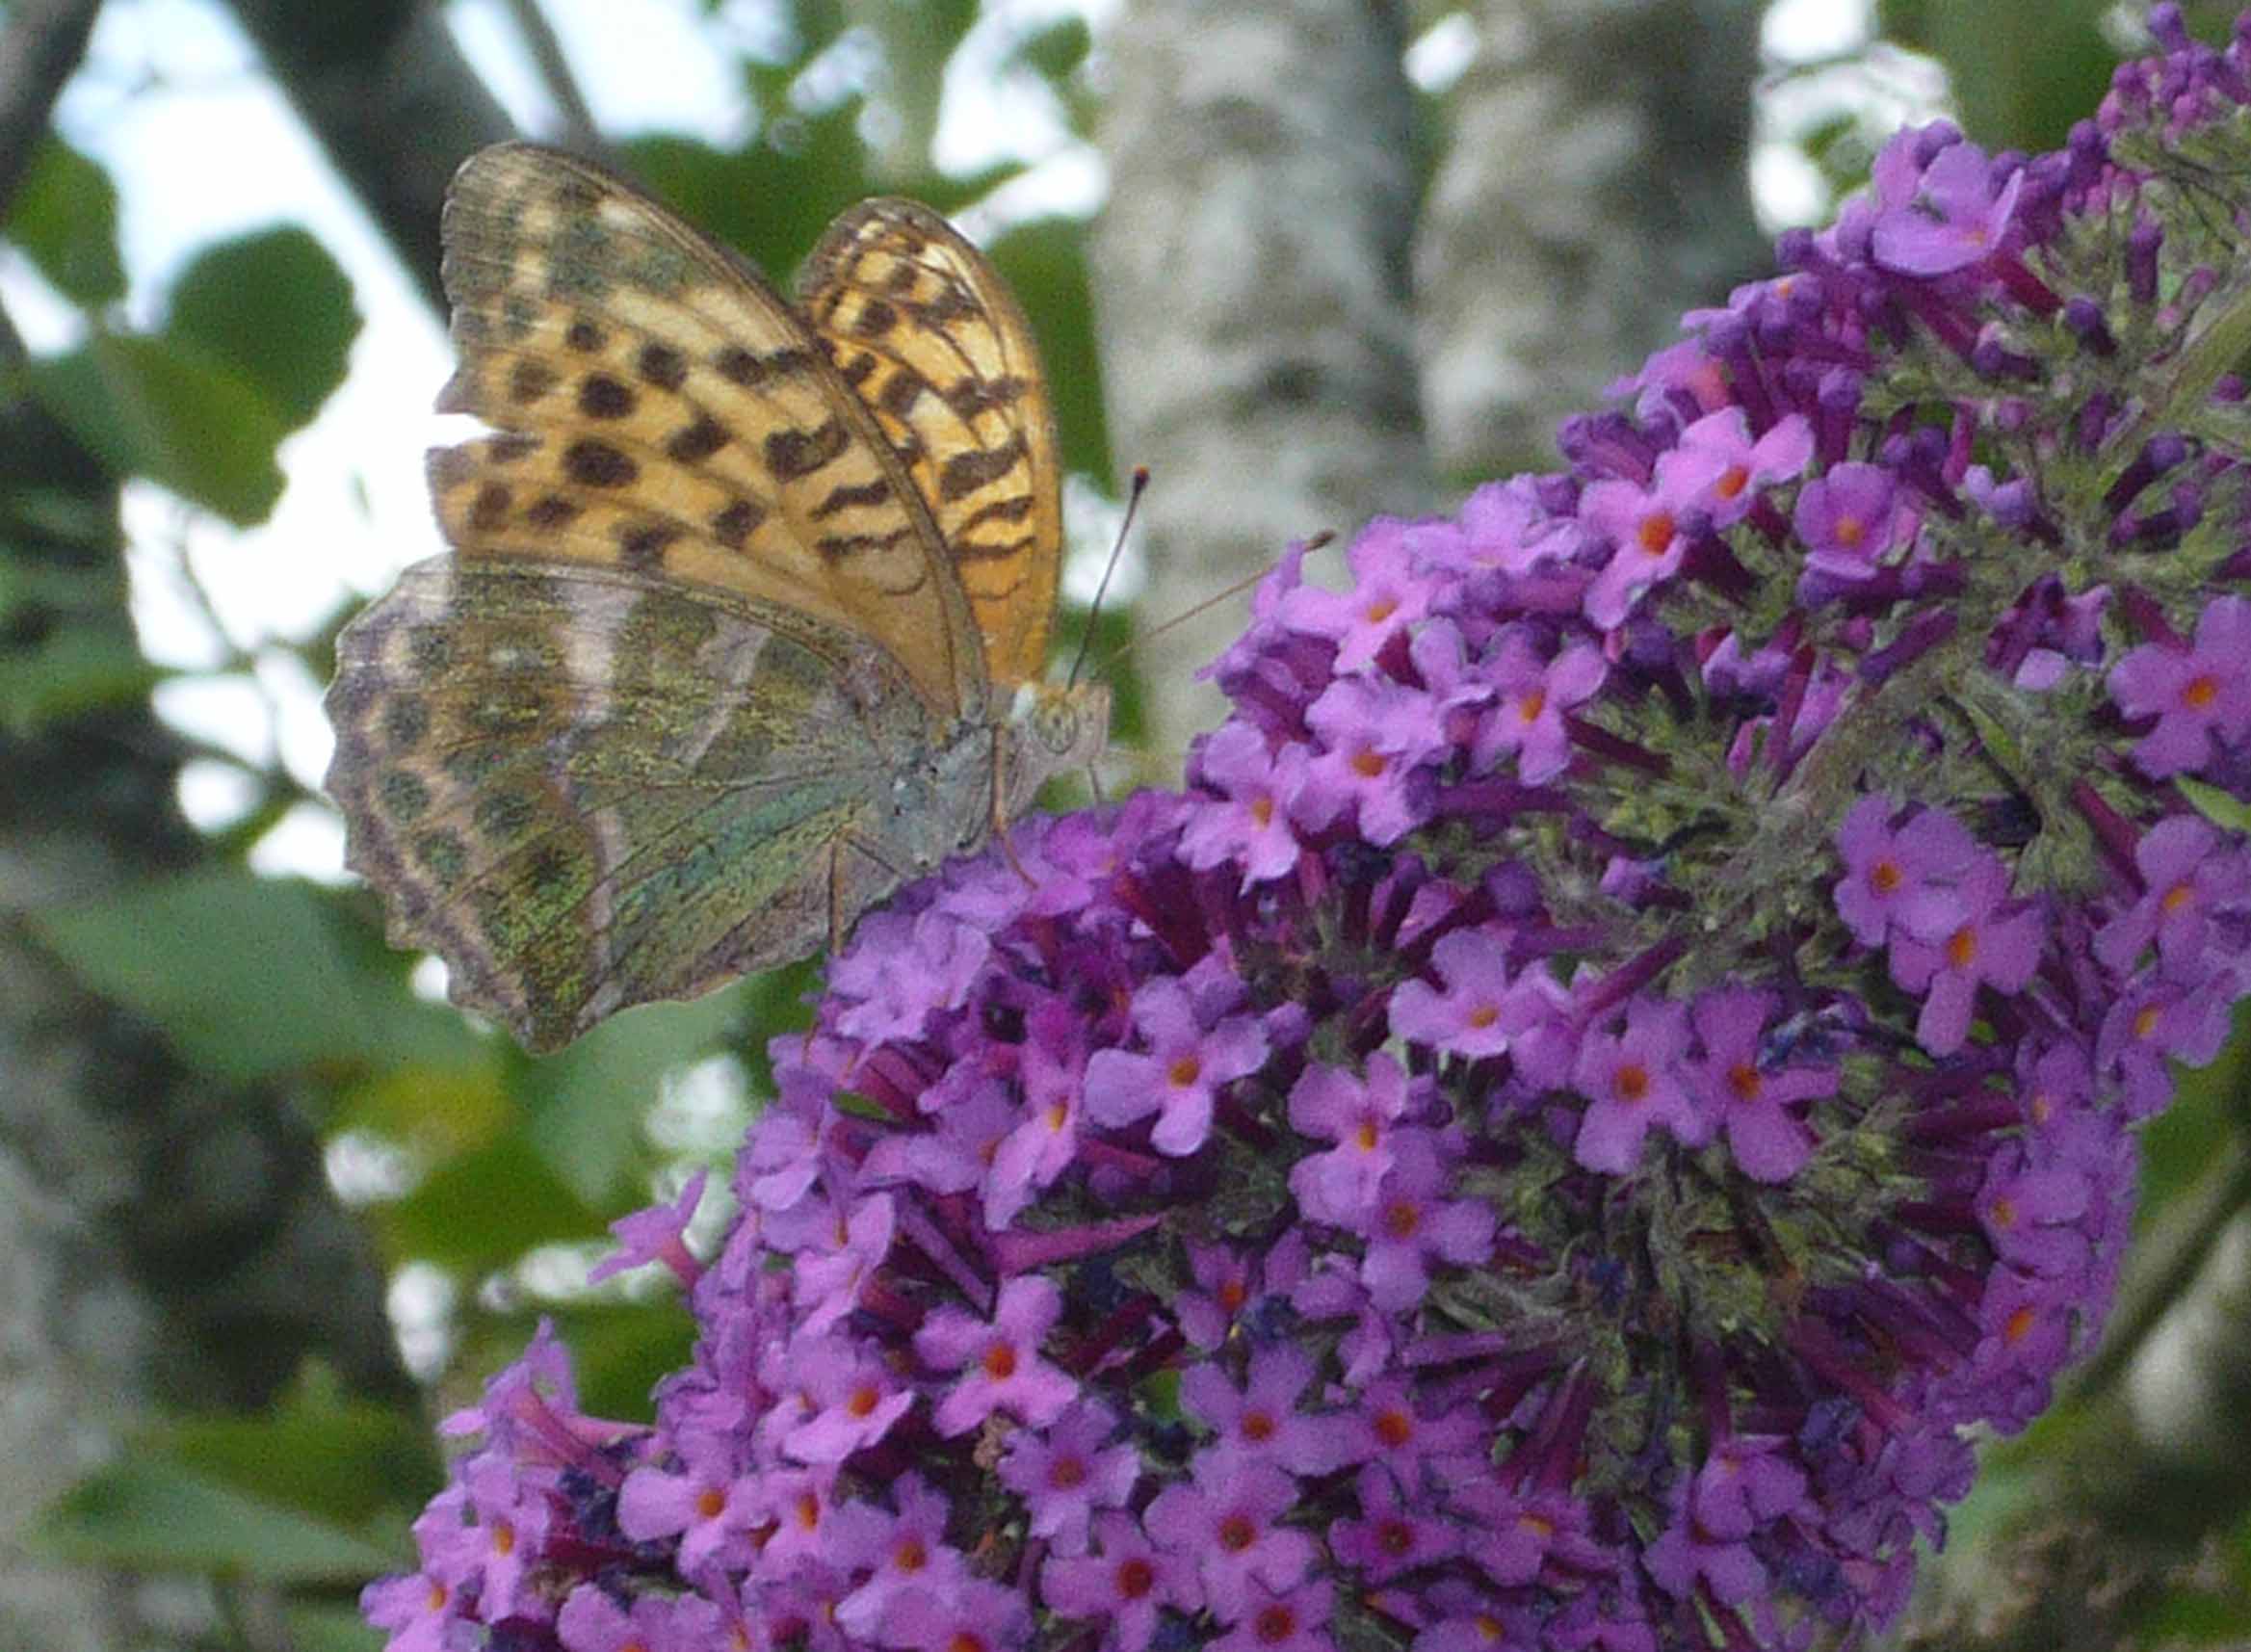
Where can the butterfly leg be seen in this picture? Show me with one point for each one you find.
(1000, 816)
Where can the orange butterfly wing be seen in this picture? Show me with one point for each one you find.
(663, 409)
(922, 327)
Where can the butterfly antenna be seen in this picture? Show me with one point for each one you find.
(1140, 486)
(1314, 543)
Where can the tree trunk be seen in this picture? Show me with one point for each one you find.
(1250, 276)
(1593, 187)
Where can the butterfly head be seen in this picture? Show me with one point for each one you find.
(1052, 729)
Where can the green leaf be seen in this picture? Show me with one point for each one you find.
(163, 408)
(342, 1461)
(314, 1627)
(2022, 71)
(588, 1100)
(64, 217)
(71, 671)
(276, 308)
(484, 1208)
(771, 203)
(149, 1514)
(243, 973)
(620, 1353)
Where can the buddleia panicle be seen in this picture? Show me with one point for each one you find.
(1621, 1058)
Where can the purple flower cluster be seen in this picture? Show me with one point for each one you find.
(1624, 1053)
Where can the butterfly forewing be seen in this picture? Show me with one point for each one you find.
(663, 409)
(925, 330)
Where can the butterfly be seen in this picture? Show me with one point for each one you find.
(744, 612)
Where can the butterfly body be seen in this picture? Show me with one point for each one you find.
(724, 651)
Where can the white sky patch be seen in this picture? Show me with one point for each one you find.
(1441, 54)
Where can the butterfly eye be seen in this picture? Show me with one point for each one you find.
(1055, 726)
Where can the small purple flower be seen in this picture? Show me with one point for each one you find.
(1952, 217)
(1375, 734)
(1848, 519)
(1327, 1104)
(1900, 876)
(1227, 1517)
(846, 1400)
(707, 1504)
(1262, 788)
(591, 1621)
(1002, 1362)
(903, 1554)
(417, 1609)
(1185, 1064)
(1389, 1537)
(1633, 1083)
(2033, 1214)
(1643, 526)
(1414, 1226)
(1070, 1470)
(1387, 597)
(1261, 1421)
(1477, 1008)
(2188, 874)
(1730, 469)
(1997, 942)
(1770, 1144)
(2198, 694)
(1123, 1585)
(1526, 719)
(1283, 1620)
(655, 1235)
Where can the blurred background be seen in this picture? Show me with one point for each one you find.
(268, 1206)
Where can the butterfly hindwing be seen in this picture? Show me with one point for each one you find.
(926, 331)
(588, 788)
(662, 409)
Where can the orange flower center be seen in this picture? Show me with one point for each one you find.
(1183, 1071)
(911, 1556)
(1380, 610)
(2202, 690)
(1000, 1361)
(1236, 1533)
(1262, 811)
(1135, 1579)
(1962, 948)
(710, 1503)
(1743, 1079)
(2178, 896)
(1258, 1426)
(1484, 1016)
(1656, 532)
(1885, 876)
(1632, 1081)
(1850, 531)
(1369, 764)
(1395, 1427)
(864, 1400)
